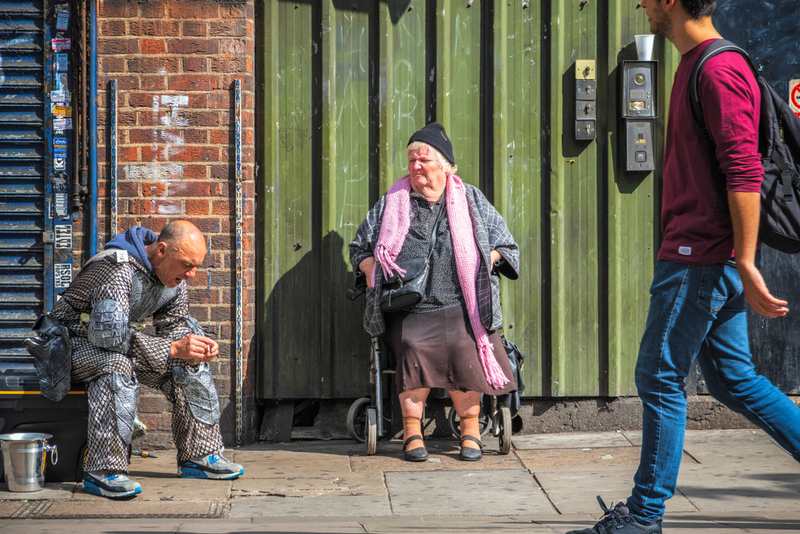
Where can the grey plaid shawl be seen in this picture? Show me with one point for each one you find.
(491, 233)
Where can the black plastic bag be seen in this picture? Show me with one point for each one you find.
(52, 357)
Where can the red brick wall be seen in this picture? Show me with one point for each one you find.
(175, 63)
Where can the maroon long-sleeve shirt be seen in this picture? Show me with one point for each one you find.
(695, 233)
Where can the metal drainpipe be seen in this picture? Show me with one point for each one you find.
(239, 264)
(79, 126)
(93, 187)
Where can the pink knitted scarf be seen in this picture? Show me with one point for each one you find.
(394, 228)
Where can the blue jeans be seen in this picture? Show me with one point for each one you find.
(697, 311)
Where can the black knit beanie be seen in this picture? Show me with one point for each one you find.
(435, 136)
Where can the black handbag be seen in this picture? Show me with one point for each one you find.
(400, 292)
(516, 358)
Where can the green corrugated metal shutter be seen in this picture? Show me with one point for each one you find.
(344, 84)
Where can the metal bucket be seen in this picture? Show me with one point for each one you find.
(24, 457)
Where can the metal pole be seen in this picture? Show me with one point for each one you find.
(376, 351)
(93, 230)
(113, 156)
(239, 262)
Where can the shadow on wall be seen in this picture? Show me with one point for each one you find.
(312, 340)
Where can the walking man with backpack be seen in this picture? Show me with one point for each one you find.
(705, 270)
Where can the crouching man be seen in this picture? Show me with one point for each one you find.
(140, 275)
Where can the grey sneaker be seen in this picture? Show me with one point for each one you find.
(618, 520)
(108, 484)
(212, 466)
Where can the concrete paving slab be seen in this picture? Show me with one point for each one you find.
(689, 526)
(571, 441)
(482, 525)
(355, 506)
(564, 523)
(739, 488)
(732, 523)
(634, 436)
(7, 508)
(353, 484)
(291, 463)
(164, 466)
(504, 492)
(601, 457)
(51, 490)
(134, 508)
(443, 456)
(588, 457)
(92, 526)
(185, 526)
(171, 489)
(336, 447)
(275, 526)
(285, 487)
(738, 447)
(575, 490)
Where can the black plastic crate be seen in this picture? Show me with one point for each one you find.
(24, 409)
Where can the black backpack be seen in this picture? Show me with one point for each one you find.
(779, 146)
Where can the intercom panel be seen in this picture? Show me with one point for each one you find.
(639, 145)
(638, 86)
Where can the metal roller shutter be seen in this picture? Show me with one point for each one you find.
(33, 195)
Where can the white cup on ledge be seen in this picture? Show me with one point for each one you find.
(644, 46)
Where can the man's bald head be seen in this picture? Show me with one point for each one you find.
(177, 253)
(178, 231)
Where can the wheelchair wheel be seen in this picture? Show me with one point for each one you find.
(505, 430)
(357, 419)
(372, 431)
(453, 422)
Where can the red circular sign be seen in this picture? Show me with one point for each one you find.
(795, 98)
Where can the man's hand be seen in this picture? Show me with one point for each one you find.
(194, 347)
(757, 294)
(745, 212)
(367, 265)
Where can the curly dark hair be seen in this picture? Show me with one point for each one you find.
(698, 9)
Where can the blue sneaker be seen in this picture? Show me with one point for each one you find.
(108, 484)
(213, 466)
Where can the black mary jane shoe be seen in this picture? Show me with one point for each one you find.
(469, 454)
(420, 454)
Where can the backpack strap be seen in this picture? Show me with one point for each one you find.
(716, 47)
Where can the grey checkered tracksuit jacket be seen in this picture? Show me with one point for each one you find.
(147, 360)
(491, 233)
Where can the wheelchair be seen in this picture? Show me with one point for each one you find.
(368, 420)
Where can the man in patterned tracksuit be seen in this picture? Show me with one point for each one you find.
(141, 275)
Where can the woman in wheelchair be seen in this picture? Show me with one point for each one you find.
(432, 249)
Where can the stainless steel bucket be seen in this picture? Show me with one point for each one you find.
(24, 456)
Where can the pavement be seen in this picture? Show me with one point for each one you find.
(731, 482)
